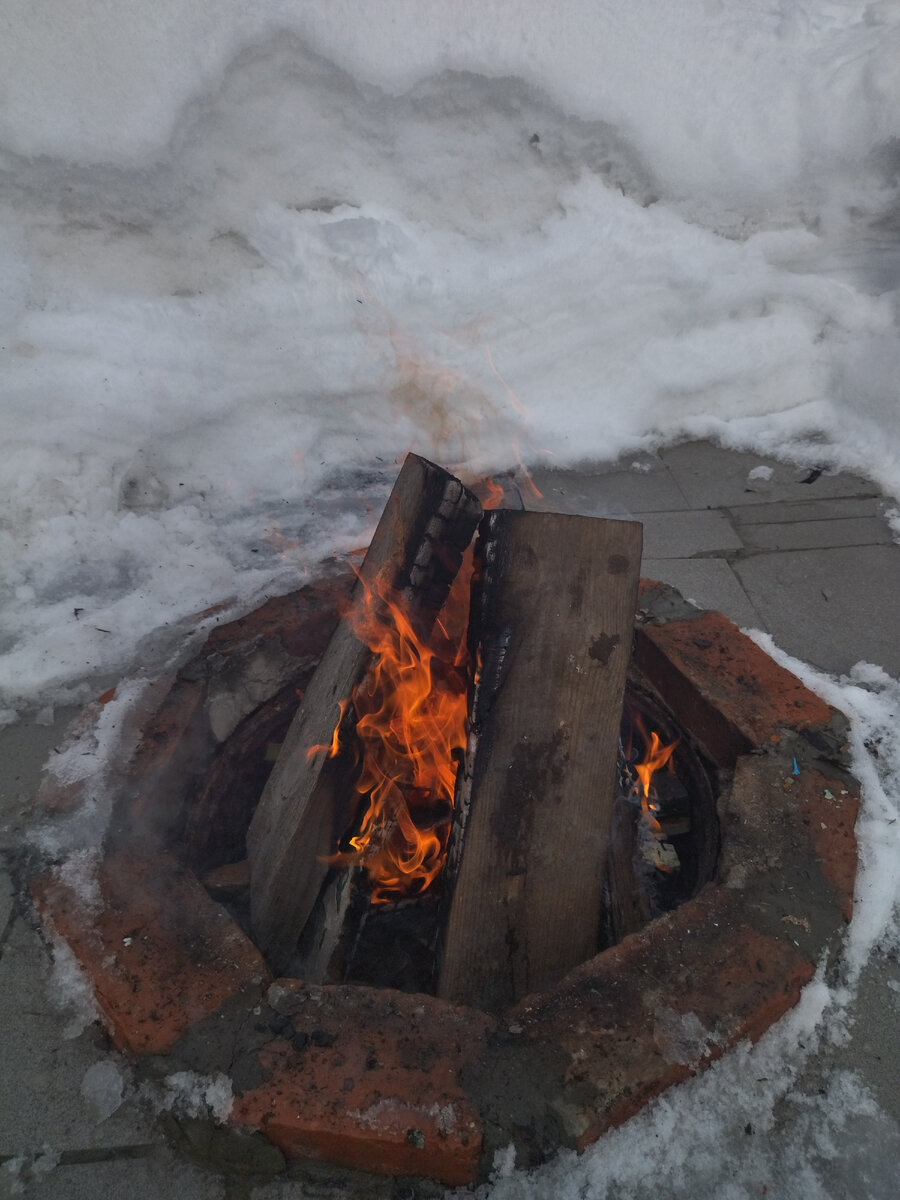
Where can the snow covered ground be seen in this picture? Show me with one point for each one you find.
(251, 254)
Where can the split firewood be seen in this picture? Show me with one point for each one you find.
(309, 802)
(524, 876)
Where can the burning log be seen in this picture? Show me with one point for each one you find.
(524, 876)
(309, 801)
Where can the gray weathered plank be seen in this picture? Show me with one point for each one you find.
(524, 879)
(308, 805)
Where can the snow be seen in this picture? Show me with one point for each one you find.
(252, 254)
(191, 1094)
(103, 1087)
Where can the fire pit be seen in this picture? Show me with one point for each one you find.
(403, 1082)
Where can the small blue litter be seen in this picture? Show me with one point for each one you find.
(796, 768)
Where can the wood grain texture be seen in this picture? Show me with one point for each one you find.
(524, 880)
(307, 806)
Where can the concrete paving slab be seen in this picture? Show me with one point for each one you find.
(830, 607)
(709, 583)
(872, 1044)
(44, 1097)
(158, 1176)
(24, 748)
(836, 508)
(811, 535)
(597, 492)
(687, 533)
(7, 893)
(711, 477)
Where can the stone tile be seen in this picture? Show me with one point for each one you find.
(838, 508)
(708, 583)
(6, 902)
(831, 607)
(686, 533)
(616, 492)
(24, 748)
(872, 1044)
(45, 1061)
(712, 477)
(811, 535)
(155, 1176)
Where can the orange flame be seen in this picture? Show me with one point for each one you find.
(411, 710)
(656, 757)
(490, 493)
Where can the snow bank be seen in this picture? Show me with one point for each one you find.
(237, 283)
(723, 97)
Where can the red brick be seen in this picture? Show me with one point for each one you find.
(160, 954)
(732, 676)
(303, 620)
(371, 1080)
(616, 1018)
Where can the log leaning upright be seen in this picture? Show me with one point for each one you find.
(307, 806)
(524, 877)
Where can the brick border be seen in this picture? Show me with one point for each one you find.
(409, 1085)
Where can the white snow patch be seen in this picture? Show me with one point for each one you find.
(103, 1087)
(191, 1094)
(70, 989)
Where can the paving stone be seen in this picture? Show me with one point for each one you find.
(708, 583)
(811, 535)
(158, 1176)
(711, 477)
(872, 1042)
(6, 903)
(830, 607)
(24, 748)
(686, 533)
(44, 1062)
(616, 492)
(827, 509)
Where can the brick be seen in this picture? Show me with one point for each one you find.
(709, 663)
(658, 1008)
(303, 620)
(370, 1079)
(799, 830)
(160, 954)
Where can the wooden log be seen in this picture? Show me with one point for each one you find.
(307, 806)
(524, 879)
(629, 902)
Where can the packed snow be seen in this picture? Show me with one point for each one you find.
(252, 254)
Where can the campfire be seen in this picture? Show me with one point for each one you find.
(460, 805)
(599, 778)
